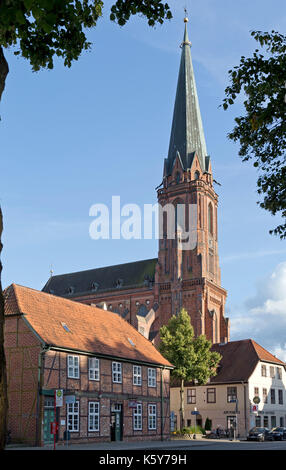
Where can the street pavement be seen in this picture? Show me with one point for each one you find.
(172, 445)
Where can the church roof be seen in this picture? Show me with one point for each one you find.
(66, 324)
(121, 276)
(187, 135)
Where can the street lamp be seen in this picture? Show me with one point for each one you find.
(235, 400)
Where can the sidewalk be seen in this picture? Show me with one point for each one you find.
(123, 445)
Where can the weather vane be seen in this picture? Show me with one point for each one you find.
(186, 14)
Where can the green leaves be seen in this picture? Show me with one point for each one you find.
(155, 11)
(261, 131)
(191, 356)
(43, 29)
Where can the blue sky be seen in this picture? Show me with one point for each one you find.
(70, 138)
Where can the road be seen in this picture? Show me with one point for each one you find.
(173, 445)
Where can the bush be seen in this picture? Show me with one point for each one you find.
(208, 425)
(191, 430)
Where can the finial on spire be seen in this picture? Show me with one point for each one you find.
(186, 16)
(186, 37)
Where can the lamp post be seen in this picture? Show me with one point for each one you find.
(235, 423)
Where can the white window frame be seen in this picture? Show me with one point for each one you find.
(93, 416)
(93, 370)
(137, 417)
(137, 375)
(73, 367)
(263, 370)
(73, 413)
(152, 377)
(152, 417)
(117, 372)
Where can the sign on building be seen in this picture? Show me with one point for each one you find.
(70, 398)
(59, 397)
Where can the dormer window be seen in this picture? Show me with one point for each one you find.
(119, 283)
(178, 177)
(65, 327)
(94, 286)
(197, 175)
(70, 290)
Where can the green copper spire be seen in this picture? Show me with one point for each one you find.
(187, 135)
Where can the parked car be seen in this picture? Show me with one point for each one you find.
(259, 434)
(278, 433)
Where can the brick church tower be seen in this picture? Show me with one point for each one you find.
(189, 277)
(147, 293)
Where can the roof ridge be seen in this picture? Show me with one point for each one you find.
(73, 301)
(103, 267)
(56, 296)
(254, 344)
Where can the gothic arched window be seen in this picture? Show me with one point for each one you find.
(180, 222)
(197, 175)
(210, 219)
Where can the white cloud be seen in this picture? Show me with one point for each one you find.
(280, 352)
(263, 317)
(250, 255)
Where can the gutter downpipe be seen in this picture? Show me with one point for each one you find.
(162, 407)
(245, 413)
(40, 376)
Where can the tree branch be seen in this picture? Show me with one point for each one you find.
(4, 70)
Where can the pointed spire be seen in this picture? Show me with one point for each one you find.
(187, 135)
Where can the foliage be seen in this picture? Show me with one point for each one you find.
(261, 131)
(190, 430)
(155, 11)
(41, 29)
(191, 356)
(208, 424)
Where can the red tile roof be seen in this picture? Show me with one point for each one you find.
(91, 329)
(239, 359)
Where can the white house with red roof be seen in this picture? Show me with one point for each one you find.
(249, 390)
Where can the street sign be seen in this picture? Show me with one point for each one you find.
(59, 397)
(256, 400)
(195, 412)
(254, 408)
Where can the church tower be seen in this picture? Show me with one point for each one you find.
(188, 272)
(147, 293)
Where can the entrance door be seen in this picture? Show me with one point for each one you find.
(49, 416)
(116, 422)
(231, 425)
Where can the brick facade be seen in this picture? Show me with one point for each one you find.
(35, 370)
(22, 350)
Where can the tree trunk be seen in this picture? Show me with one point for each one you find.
(4, 70)
(3, 379)
(182, 408)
